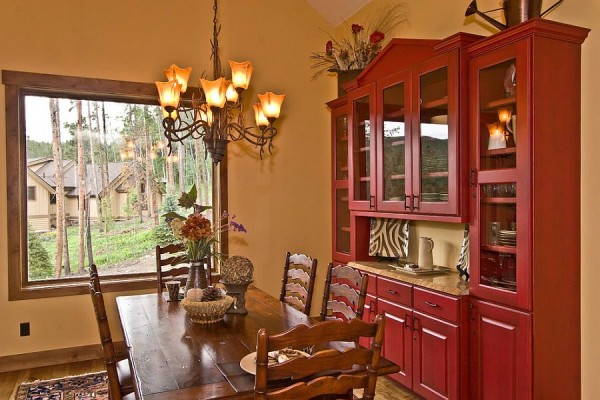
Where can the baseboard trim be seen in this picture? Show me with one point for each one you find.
(55, 357)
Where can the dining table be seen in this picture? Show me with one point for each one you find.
(173, 357)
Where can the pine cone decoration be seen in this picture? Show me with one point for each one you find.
(211, 293)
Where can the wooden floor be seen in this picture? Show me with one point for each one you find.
(9, 381)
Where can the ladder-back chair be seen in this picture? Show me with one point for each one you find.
(327, 371)
(344, 294)
(297, 285)
(120, 382)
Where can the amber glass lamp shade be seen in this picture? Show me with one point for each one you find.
(214, 91)
(504, 115)
(205, 114)
(271, 104)
(240, 74)
(181, 75)
(259, 116)
(168, 93)
(231, 94)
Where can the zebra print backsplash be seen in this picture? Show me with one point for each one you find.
(388, 238)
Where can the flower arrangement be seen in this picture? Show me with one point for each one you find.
(361, 48)
(196, 231)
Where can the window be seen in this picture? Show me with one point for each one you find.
(30, 193)
(94, 150)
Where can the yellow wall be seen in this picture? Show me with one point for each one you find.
(283, 200)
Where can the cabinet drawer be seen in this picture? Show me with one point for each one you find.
(395, 291)
(436, 304)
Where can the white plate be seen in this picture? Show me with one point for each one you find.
(248, 363)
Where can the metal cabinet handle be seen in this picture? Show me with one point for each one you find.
(472, 177)
(415, 201)
(391, 291)
(430, 304)
(406, 318)
(416, 324)
(371, 201)
(407, 206)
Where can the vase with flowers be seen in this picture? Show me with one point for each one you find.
(198, 236)
(357, 51)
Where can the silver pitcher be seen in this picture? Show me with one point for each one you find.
(515, 11)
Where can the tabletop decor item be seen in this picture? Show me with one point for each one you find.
(462, 264)
(356, 52)
(208, 305)
(515, 12)
(198, 236)
(236, 275)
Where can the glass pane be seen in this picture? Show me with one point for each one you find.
(362, 149)
(342, 221)
(434, 136)
(125, 173)
(499, 235)
(394, 146)
(497, 118)
(341, 149)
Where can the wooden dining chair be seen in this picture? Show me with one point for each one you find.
(167, 260)
(328, 371)
(344, 294)
(120, 381)
(299, 273)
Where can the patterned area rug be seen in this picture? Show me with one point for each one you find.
(82, 387)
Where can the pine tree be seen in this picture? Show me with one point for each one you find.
(40, 266)
(162, 232)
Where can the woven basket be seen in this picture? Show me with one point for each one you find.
(207, 312)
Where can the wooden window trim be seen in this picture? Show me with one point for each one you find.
(17, 86)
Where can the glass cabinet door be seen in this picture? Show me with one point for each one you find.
(436, 155)
(342, 222)
(501, 263)
(363, 148)
(498, 116)
(393, 144)
(341, 212)
(498, 235)
(341, 147)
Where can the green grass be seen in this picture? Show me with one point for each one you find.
(126, 241)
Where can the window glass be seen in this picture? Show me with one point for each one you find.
(99, 179)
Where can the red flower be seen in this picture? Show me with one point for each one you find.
(376, 37)
(329, 47)
(356, 28)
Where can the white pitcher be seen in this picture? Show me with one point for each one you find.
(425, 253)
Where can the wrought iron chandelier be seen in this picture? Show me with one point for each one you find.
(217, 115)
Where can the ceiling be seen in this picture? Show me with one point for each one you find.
(336, 11)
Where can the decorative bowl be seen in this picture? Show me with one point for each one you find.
(207, 312)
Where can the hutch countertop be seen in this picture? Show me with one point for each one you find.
(448, 283)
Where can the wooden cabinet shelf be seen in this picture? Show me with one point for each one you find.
(392, 115)
(345, 229)
(397, 177)
(438, 174)
(499, 249)
(398, 143)
(499, 152)
(494, 105)
(500, 200)
(434, 103)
